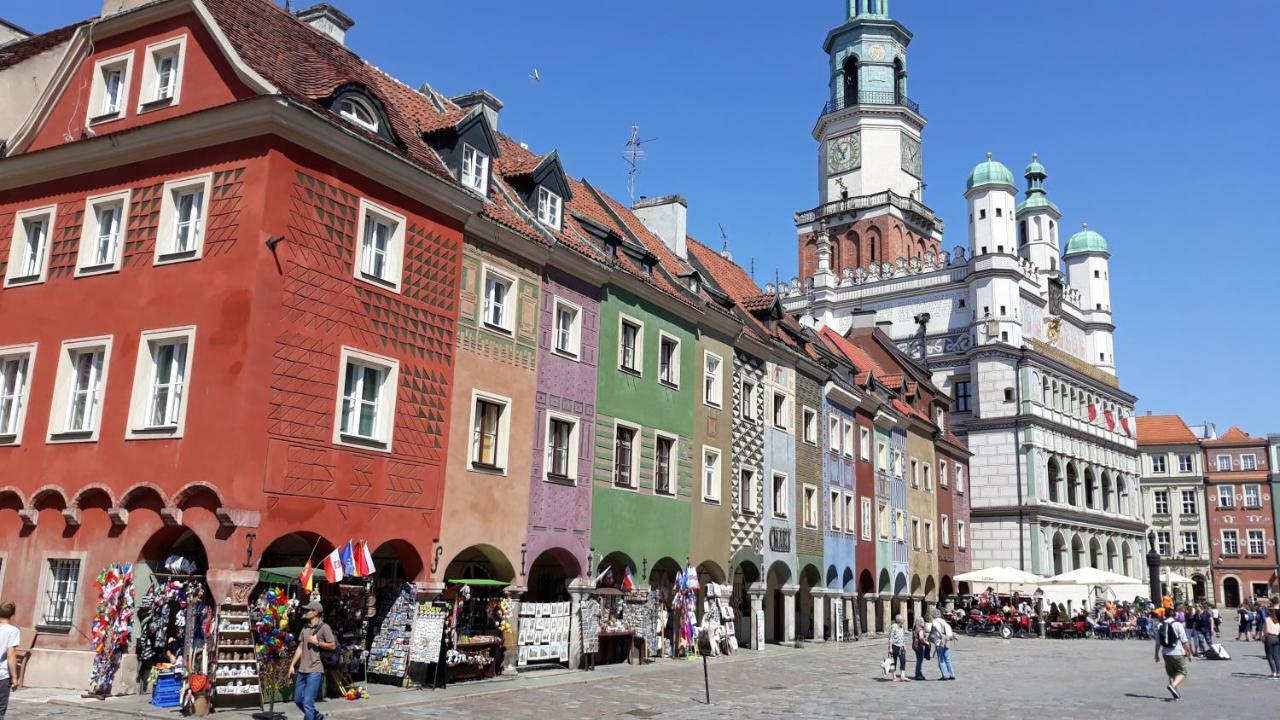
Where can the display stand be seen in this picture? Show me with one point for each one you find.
(431, 622)
(237, 679)
(544, 633)
(389, 654)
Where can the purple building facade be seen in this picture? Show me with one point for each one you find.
(559, 534)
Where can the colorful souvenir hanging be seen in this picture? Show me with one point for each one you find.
(111, 626)
(274, 642)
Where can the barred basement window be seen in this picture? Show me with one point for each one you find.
(61, 592)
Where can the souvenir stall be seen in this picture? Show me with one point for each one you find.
(394, 623)
(544, 633)
(481, 619)
(684, 611)
(112, 625)
(717, 620)
(176, 618)
(589, 618)
(430, 639)
(627, 621)
(348, 607)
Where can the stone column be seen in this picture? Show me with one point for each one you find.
(819, 613)
(579, 589)
(883, 618)
(916, 607)
(756, 592)
(852, 617)
(789, 613)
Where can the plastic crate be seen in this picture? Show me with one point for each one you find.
(167, 692)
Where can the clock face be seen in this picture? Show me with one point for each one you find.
(877, 53)
(911, 161)
(844, 153)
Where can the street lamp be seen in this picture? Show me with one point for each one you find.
(1153, 569)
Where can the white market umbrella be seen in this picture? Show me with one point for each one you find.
(999, 576)
(1091, 576)
(1174, 578)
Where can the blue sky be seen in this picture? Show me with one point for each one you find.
(1155, 119)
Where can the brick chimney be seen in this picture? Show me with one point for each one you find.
(485, 99)
(668, 218)
(327, 19)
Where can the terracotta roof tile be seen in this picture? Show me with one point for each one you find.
(759, 302)
(1235, 436)
(856, 355)
(1163, 430)
(729, 276)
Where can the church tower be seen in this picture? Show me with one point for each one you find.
(869, 133)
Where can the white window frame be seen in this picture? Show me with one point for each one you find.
(76, 586)
(850, 514)
(782, 412)
(167, 233)
(900, 526)
(1159, 464)
(1235, 540)
(712, 481)
(946, 531)
(360, 105)
(550, 208)
(506, 325)
(750, 390)
(473, 177)
(1190, 495)
(636, 441)
(1257, 496)
(960, 539)
(21, 392)
(917, 543)
(387, 398)
(959, 479)
(1249, 462)
(638, 352)
(812, 506)
(394, 277)
(846, 437)
(943, 479)
(751, 507)
(1164, 542)
(929, 542)
(58, 412)
(866, 518)
(781, 509)
(144, 374)
(673, 464)
(835, 508)
(915, 473)
(674, 380)
(833, 433)
(864, 440)
(148, 96)
(712, 381)
(1194, 536)
(1188, 466)
(573, 351)
(571, 454)
(928, 477)
(502, 453)
(809, 425)
(96, 113)
(1250, 534)
(1228, 493)
(1160, 498)
(19, 243)
(1217, 459)
(86, 255)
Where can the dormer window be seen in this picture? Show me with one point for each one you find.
(110, 89)
(358, 112)
(475, 169)
(548, 208)
(162, 74)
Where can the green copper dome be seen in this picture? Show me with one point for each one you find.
(1035, 168)
(1086, 241)
(1036, 197)
(990, 172)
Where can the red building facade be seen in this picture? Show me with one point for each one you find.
(229, 307)
(1241, 525)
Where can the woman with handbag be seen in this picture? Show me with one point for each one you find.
(920, 643)
(898, 649)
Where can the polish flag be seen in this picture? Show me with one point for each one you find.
(364, 561)
(628, 583)
(1093, 412)
(1111, 419)
(332, 565)
(1124, 423)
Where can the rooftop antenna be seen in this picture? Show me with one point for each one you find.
(724, 243)
(753, 269)
(634, 154)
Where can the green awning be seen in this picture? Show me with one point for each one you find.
(479, 582)
(281, 575)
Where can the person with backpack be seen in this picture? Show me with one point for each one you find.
(941, 637)
(315, 644)
(1173, 646)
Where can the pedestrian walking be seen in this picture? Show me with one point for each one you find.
(1173, 647)
(1246, 620)
(1259, 621)
(920, 644)
(941, 637)
(9, 639)
(898, 649)
(316, 637)
(1270, 642)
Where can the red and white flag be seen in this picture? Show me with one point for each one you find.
(1124, 423)
(364, 561)
(332, 565)
(1111, 419)
(1093, 412)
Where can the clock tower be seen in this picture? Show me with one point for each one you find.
(869, 132)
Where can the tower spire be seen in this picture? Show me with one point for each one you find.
(868, 8)
(1035, 175)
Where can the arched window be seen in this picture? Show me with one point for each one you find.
(358, 112)
(851, 81)
(1022, 233)
(899, 81)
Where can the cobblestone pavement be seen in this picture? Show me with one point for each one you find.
(998, 679)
